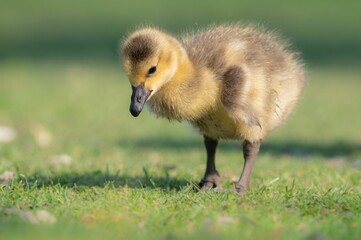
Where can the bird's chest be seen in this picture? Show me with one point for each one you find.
(216, 125)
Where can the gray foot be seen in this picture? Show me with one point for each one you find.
(241, 189)
(210, 181)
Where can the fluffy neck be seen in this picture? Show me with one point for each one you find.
(188, 95)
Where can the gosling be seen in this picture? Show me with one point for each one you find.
(230, 82)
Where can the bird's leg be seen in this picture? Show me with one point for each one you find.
(211, 176)
(250, 151)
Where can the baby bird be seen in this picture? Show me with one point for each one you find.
(230, 82)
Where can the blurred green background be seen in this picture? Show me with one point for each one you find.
(324, 31)
(62, 91)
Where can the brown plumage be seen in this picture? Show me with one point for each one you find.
(230, 82)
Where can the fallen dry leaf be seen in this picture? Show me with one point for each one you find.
(7, 134)
(11, 211)
(61, 159)
(28, 216)
(6, 177)
(225, 219)
(45, 217)
(42, 136)
(335, 161)
(38, 217)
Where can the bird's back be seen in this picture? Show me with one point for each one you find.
(215, 46)
(270, 76)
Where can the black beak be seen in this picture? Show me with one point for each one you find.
(138, 99)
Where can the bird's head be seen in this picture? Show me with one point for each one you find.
(149, 57)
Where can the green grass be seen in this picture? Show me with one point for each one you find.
(132, 178)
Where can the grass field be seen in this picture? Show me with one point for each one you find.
(84, 168)
(324, 30)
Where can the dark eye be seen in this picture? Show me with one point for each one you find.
(152, 70)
